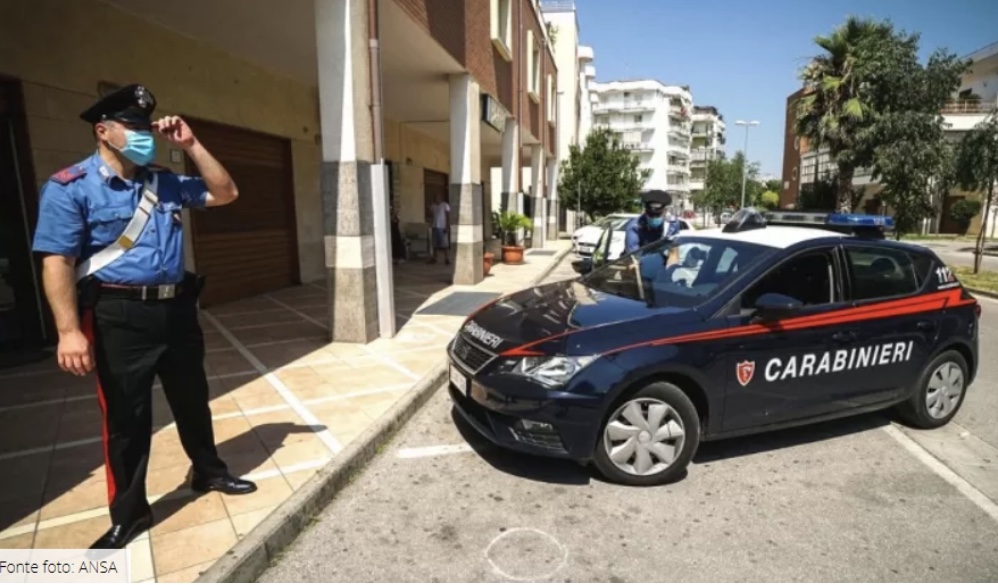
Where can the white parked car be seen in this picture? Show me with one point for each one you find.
(585, 238)
(618, 239)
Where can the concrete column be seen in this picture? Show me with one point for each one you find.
(345, 180)
(465, 179)
(537, 171)
(511, 166)
(552, 198)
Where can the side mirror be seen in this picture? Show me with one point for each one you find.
(776, 306)
(583, 265)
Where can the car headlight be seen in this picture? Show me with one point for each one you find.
(551, 370)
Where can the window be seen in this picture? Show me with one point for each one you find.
(684, 272)
(808, 278)
(551, 98)
(533, 66)
(638, 119)
(883, 272)
(502, 27)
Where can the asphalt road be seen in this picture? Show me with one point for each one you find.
(962, 253)
(861, 499)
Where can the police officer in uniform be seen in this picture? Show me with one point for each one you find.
(652, 225)
(110, 230)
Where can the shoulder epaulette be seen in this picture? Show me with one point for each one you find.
(69, 174)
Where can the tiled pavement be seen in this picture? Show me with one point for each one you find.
(284, 403)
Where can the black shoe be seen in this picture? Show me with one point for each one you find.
(121, 534)
(226, 484)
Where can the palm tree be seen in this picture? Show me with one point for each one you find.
(833, 109)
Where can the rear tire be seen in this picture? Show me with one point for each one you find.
(939, 392)
(650, 437)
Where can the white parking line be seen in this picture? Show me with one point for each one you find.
(948, 475)
(434, 451)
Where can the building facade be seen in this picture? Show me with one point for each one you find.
(655, 121)
(324, 117)
(708, 143)
(576, 75)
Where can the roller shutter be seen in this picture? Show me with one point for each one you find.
(249, 247)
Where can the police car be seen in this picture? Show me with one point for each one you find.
(778, 320)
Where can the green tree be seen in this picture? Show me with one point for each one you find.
(964, 211)
(602, 177)
(768, 200)
(774, 185)
(724, 184)
(976, 168)
(860, 93)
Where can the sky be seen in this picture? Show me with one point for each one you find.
(743, 56)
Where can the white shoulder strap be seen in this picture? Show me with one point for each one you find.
(127, 239)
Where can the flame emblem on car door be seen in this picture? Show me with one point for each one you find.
(745, 371)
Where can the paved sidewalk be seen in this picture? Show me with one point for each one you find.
(284, 403)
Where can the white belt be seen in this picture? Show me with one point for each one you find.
(127, 239)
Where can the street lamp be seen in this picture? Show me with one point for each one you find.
(745, 153)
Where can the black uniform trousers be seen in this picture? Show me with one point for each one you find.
(134, 342)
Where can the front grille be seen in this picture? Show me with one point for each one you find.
(549, 441)
(470, 354)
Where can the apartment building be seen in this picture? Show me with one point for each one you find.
(576, 75)
(654, 121)
(319, 134)
(969, 106)
(709, 139)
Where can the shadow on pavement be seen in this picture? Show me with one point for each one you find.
(534, 468)
(787, 438)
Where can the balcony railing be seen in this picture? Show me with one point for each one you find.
(637, 146)
(969, 107)
(681, 168)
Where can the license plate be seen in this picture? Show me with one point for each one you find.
(586, 249)
(458, 380)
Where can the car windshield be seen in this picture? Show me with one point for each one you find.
(682, 272)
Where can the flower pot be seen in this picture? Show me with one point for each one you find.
(488, 260)
(512, 254)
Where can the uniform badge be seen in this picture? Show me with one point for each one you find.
(745, 371)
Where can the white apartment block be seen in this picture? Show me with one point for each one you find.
(576, 75)
(709, 138)
(654, 120)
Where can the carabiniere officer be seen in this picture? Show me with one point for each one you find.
(111, 234)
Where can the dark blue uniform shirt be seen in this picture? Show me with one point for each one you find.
(84, 208)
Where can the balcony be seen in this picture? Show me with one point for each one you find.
(589, 71)
(586, 53)
(681, 151)
(696, 184)
(637, 146)
(627, 106)
(678, 168)
(704, 154)
(963, 115)
(679, 133)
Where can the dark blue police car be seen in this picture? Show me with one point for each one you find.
(774, 320)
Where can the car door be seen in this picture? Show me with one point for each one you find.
(784, 369)
(895, 334)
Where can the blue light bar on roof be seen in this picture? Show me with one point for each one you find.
(860, 220)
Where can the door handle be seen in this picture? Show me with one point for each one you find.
(926, 325)
(843, 336)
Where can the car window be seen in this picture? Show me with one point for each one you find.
(881, 273)
(809, 278)
(683, 272)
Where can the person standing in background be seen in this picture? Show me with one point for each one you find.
(440, 218)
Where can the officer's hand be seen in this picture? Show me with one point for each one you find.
(174, 129)
(75, 353)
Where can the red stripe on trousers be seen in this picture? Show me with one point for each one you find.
(88, 331)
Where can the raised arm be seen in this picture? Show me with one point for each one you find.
(221, 188)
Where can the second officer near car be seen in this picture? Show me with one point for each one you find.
(111, 233)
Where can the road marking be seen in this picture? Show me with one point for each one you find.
(939, 468)
(530, 578)
(296, 405)
(434, 451)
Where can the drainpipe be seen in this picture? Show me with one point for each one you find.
(375, 73)
(380, 189)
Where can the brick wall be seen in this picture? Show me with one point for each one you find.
(791, 156)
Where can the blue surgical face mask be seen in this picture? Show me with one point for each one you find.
(140, 147)
(655, 221)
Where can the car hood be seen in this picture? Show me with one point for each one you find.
(544, 318)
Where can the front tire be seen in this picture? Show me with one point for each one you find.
(939, 392)
(650, 437)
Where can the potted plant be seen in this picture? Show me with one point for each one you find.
(509, 222)
(489, 259)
